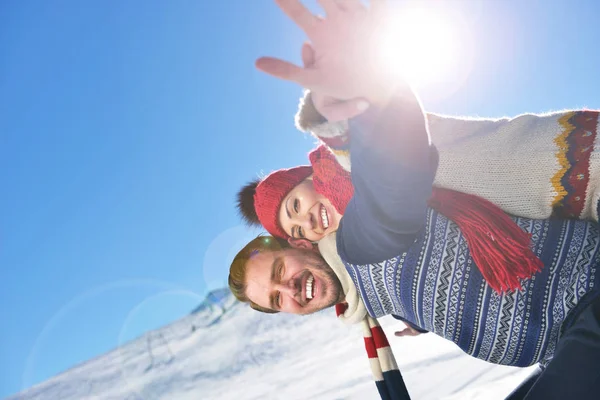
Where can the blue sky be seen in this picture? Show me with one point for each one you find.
(127, 127)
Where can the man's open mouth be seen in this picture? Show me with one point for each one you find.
(324, 218)
(310, 293)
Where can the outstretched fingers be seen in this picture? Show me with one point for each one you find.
(377, 5)
(331, 7)
(285, 70)
(299, 14)
(351, 5)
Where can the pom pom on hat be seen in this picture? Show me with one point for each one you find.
(245, 203)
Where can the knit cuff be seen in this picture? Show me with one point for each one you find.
(307, 116)
(308, 119)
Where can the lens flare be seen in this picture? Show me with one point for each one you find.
(419, 44)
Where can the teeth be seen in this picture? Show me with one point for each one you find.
(309, 287)
(324, 217)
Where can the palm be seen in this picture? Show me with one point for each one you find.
(331, 108)
(343, 66)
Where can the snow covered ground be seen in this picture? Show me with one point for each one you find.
(225, 350)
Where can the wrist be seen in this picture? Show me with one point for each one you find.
(382, 90)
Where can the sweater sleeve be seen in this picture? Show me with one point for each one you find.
(393, 167)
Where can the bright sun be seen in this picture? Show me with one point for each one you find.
(421, 45)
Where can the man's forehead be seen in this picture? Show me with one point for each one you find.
(258, 277)
(259, 266)
(261, 259)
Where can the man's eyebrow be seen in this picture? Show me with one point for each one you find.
(273, 273)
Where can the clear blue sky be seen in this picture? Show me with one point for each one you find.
(126, 128)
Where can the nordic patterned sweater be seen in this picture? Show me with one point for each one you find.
(436, 286)
(533, 166)
(409, 260)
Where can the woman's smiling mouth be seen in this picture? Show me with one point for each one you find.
(324, 217)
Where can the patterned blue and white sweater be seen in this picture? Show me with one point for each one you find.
(436, 286)
(408, 260)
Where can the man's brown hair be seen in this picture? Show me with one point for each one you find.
(237, 271)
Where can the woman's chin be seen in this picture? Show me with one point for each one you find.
(330, 230)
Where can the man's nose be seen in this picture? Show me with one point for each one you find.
(288, 287)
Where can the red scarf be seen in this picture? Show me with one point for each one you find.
(501, 250)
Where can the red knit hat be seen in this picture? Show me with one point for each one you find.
(270, 193)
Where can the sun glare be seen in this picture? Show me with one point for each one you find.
(421, 45)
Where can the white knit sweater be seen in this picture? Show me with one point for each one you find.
(356, 310)
(531, 166)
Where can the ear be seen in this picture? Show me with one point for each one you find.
(297, 243)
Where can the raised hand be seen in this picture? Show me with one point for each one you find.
(343, 47)
(408, 331)
(331, 108)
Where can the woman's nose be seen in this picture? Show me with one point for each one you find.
(306, 221)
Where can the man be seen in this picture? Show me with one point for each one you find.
(400, 257)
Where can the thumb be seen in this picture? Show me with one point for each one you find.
(286, 70)
(308, 55)
(340, 111)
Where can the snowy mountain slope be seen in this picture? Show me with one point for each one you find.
(225, 350)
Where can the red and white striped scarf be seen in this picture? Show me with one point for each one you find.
(352, 311)
(385, 371)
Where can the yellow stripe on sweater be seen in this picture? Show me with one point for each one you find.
(561, 156)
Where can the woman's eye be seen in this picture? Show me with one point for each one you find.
(278, 300)
(300, 233)
(296, 205)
